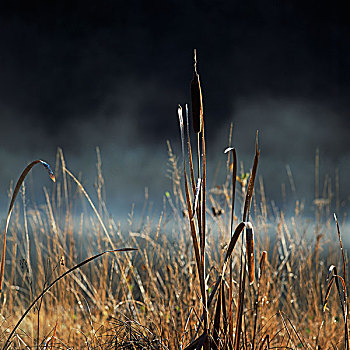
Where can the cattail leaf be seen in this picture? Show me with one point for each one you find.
(181, 122)
(262, 263)
(196, 198)
(193, 182)
(266, 340)
(234, 240)
(198, 343)
(343, 299)
(250, 188)
(239, 315)
(190, 217)
(232, 244)
(230, 309)
(331, 271)
(249, 234)
(228, 149)
(217, 318)
(223, 301)
(211, 298)
(329, 287)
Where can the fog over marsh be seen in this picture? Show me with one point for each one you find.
(111, 75)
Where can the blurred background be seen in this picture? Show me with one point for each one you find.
(82, 74)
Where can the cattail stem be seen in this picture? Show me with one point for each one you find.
(199, 155)
(199, 175)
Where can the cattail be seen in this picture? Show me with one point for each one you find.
(196, 99)
(263, 259)
(249, 234)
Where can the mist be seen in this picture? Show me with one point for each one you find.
(81, 77)
(290, 131)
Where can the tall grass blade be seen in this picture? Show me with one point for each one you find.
(54, 282)
(183, 334)
(81, 187)
(342, 299)
(341, 248)
(345, 304)
(14, 195)
(286, 328)
(302, 343)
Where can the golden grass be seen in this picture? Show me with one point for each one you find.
(156, 290)
(193, 281)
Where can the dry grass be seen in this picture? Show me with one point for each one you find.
(193, 281)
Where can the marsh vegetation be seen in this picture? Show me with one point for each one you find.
(217, 268)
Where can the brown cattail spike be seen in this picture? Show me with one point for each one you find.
(262, 263)
(249, 234)
(196, 99)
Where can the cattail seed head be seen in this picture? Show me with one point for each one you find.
(262, 262)
(249, 233)
(196, 99)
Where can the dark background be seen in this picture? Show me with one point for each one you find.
(110, 74)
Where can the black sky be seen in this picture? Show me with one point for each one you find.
(81, 74)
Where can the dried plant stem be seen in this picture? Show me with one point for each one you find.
(14, 195)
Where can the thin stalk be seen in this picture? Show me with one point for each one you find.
(256, 304)
(203, 223)
(190, 217)
(14, 195)
(199, 175)
(7, 343)
(233, 195)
